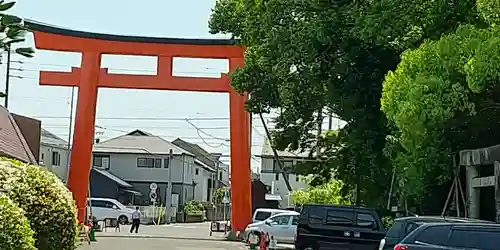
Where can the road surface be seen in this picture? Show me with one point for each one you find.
(119, 243)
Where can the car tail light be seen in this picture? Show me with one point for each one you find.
(400, 247)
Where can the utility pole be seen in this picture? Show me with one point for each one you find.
(169, 191)
(70, 129)
(318, 135)
(7, 79)
(330, 120)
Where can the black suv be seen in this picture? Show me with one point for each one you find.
(405, 225)
(338, 227)
(451, 236)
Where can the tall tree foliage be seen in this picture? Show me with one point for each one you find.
(306, 55)
(444, 97)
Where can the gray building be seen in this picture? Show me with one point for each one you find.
(128, 164)
(54, 154)
(272, 176)
(208, 168)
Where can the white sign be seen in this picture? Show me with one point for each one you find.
(152, 195)
(153, 186)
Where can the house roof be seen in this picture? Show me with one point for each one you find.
(200, 153)
(51, 139)
(138, 142)
(196, 161)
(112, 177)
(12, 141)
(267, 151)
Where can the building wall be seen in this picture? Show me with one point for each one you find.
(125, 167)
(201, 190)
(58, 167)
(182, 169)
(269, 174)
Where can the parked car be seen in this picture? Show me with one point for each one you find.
(262, 214)
(282, 226)
(338, 227)
(452, 236)
(102, 208)
(405, 225)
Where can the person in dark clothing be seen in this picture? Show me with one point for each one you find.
(136, 220)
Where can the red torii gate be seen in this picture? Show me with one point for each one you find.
(89, 77)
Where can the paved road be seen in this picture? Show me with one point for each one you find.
(118, 243)
(195, 231)
(185, 236)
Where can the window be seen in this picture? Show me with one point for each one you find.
(339, 217)
(277, 177)
(472, 239)
(197, 172)
(166, 163)
(287, 166)
(220, 175)
(148, 163)
(295, 220)
(365, 220)
(157, 163)
(262, 216)
(56, 159)
(281, 220)
(297, 178)
(436, 235)
(101, 161)
(395, 230)
(412, 226)
(94, 203)
(316, 215)
(42, 156)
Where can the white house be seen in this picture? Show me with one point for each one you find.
(54, 154)
(272, 176)
(208, 168)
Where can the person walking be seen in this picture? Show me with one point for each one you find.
(136, 220)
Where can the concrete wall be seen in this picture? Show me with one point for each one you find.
(46, 160)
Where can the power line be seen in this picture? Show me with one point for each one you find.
(145, 118)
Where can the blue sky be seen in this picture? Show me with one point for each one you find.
(160, 18)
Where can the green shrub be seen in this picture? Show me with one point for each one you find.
(47, 203)
(387, 221)
(328, 193)
(194, 207)
(15, 231)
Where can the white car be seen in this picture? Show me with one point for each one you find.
(103, 208)
(282, 226)
(262, 214)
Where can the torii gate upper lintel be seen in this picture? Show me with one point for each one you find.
(89, 77)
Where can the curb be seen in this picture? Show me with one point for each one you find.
(160, 237)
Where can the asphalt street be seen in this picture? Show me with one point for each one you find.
(119, 243)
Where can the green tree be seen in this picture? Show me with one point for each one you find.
(304, 57)
(13, 30)
(328, 193)
(443, 97)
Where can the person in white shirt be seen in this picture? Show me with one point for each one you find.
(136, 220)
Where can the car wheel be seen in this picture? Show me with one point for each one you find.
(123, 220)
